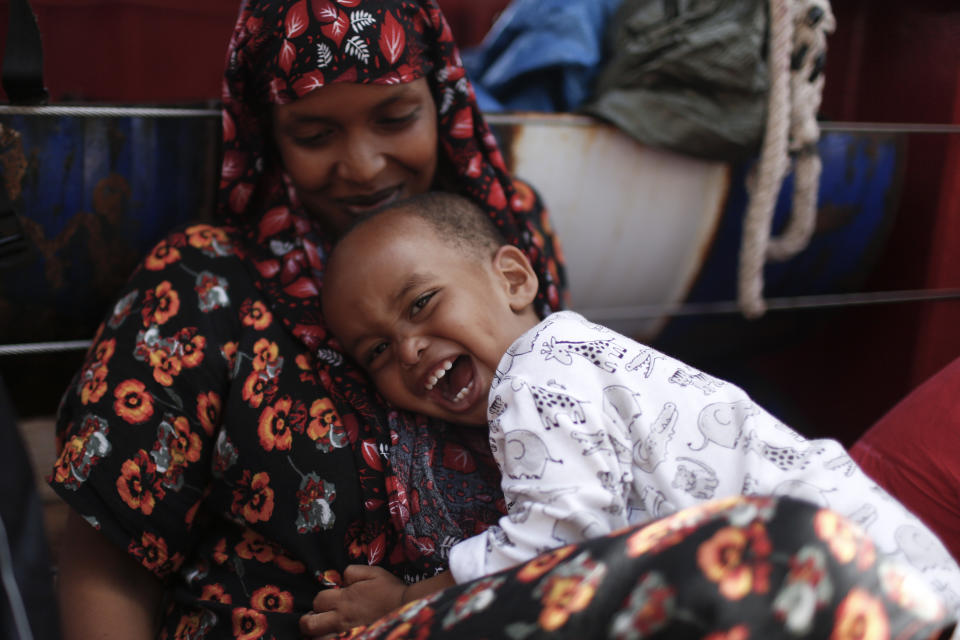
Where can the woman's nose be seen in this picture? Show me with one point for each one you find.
(411, 349)
(362, 160)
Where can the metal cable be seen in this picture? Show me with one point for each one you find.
(43, 347)
(110, 111)
(644, 312)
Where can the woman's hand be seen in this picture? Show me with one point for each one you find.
(368, 594)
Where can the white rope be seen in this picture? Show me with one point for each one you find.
(797, 28)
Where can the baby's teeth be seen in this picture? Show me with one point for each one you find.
(463, 392)
(439, 373)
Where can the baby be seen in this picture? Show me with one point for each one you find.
(592, 431)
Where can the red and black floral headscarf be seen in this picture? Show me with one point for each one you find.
(282, 50)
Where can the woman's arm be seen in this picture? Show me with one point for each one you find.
(103, 592)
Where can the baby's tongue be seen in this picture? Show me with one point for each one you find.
(459, 376)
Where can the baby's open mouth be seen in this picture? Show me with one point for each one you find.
(452, 380)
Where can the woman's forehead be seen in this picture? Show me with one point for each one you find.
(353, 97)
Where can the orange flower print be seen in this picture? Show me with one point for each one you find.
(271, 598)
(331, 578)
(248, 624)
(255, 387)
(94, 384)
(104, 350)
(253, 497)
(177, 446)
(288, 564)
(191, 347)
(274, 427)
(255, 546)
(567, 592)
(160, 304)
(265, 354)
(657, 535)
(208, 411)
(543, 563)
(215, 593)
(205, 236)
(305, 365)
(475, 599)
(81, 452)
(326, 428)
(734, 558)
(152, 553)
(138, 484)
(195, 625)
(219, 554)
(648, 609)
(255, 314)
(860, 617)
(845, 539)
(739, 632)
(166, 366)
(133, 403)
(229, 351)
(162, 255)
(211, 292)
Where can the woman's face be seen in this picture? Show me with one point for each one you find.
(350, 148)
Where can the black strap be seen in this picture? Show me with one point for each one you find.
(23, 58)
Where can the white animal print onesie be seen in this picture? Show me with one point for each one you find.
(594, 431)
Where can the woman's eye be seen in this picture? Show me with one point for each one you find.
(317, 139)
(399, 121)
(420, 303)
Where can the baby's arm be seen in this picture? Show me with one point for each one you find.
(563, 474)
(368, 594)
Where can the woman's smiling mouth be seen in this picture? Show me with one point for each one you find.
(363, 203)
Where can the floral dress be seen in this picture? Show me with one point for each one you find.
(732, 569)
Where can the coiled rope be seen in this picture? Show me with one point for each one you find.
(798, 32)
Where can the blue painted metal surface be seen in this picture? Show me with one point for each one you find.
(94, 195)
(859, 187)
(858, 197)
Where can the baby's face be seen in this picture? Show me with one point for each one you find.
(428, 320)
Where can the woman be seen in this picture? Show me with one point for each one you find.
(225, 463)
(214, 435)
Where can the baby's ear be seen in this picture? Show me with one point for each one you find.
(517, 276)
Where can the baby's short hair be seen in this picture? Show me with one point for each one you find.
(456, 219)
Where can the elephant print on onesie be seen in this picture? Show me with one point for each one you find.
(526, 454)
(722, 423)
